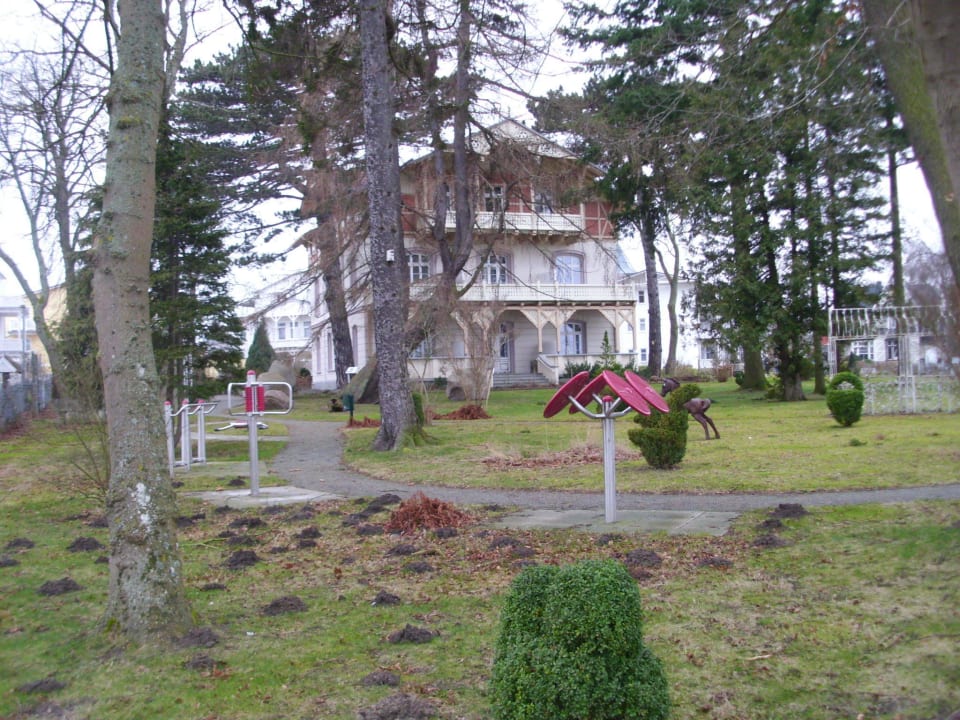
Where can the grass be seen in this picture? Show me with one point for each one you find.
(764, 447)
(854, 611)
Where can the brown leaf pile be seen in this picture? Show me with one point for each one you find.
(467, 412)
(365, 423)
(422, 512)
(576, 456)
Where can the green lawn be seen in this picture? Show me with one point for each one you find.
(842, 613)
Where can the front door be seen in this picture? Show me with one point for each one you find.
(504, 362)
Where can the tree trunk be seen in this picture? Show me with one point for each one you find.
(754, 374)
(919, 60)
(647, 238)
(146, 592)
(336, 302)
(896, 230)
(387, 257)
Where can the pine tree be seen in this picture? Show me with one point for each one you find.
(197, 335)
(261, 353)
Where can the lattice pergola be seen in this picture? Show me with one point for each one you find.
(892, 345)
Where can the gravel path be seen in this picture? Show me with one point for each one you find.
(312, 460)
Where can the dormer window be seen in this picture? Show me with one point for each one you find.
(493, 198)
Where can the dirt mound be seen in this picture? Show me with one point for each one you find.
(199, 637)
(789, 510)
(399, 707)
(467, 412)
(242, 559)
(385, 598)
(59, 587)
(85, 544)
(380, 677)
(411, 634)
(283, 605)
(19, 544)
(421, 512)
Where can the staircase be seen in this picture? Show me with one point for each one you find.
(503, 381)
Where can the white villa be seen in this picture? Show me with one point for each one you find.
(552, 285)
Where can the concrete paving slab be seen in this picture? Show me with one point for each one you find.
(671, 522)
(273, 495)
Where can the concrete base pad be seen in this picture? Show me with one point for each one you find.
(274, 495)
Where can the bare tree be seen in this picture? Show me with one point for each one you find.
(52, 129)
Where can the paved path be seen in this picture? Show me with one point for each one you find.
(312, 460)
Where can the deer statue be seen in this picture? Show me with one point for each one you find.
(697, 407)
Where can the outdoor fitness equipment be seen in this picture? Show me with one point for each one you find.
(254, 406)
(201, 410)
(631, 390)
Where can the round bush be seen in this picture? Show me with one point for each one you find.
(845, 398)
(571, 647)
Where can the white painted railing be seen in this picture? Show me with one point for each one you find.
(537, 292)
(546, 223)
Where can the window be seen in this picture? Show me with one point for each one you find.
(643, 355)
(708, 351)
(542, 202)
(569, 269)
(493, 198)
(573, 339)
(893, 349)
(423, 350)
(641, 296)
(642, 324)
(495, 269)
(419, 266)
(863, 349)
(282, 329)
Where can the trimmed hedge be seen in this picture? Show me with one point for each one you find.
(571, 647)
(662, 437)
(845, 403)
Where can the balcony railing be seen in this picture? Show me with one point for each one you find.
(534, 223)
(532, 293)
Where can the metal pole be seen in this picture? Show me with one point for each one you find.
(186, 452)
(201, 433)
(168, 424)
(609, 463)
(252, 414)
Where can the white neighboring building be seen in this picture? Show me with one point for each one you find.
(695, 348)
(17, 329)
(287, 321)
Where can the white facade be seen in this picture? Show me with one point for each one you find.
(551, 285)
(696, 350)
(288, 323)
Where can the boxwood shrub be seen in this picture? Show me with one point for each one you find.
(571, 648)
(662, 437)
(845, 398)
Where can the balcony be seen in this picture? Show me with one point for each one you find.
(539, 293)
(527, 223)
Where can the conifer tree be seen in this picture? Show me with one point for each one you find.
(261, 353)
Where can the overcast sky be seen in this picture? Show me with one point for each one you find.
(18, 26)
